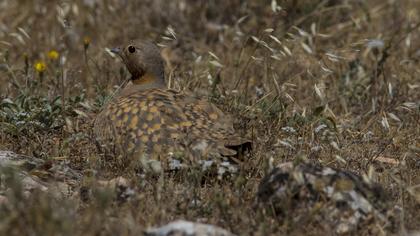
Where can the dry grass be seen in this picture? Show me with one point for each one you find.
(337, 81)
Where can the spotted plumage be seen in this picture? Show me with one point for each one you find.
(147, 119)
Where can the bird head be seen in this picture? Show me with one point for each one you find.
(144, 62)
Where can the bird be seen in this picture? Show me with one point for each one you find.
(149, 121)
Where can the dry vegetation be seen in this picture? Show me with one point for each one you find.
(334, 80)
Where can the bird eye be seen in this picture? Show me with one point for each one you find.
(131, 49)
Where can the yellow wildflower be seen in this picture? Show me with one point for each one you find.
(53, 55)
(40, 66)
(86, 41)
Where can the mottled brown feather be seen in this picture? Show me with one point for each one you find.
(147, 117)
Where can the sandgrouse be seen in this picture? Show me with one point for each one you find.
(147, 120)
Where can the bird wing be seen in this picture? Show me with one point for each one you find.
(159, 120)
(210, 122)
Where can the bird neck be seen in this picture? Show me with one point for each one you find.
(149, 80)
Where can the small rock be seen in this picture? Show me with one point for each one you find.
(54, 177)
(339, 198)
(187, 228)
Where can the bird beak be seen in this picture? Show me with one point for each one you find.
(116, 51)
